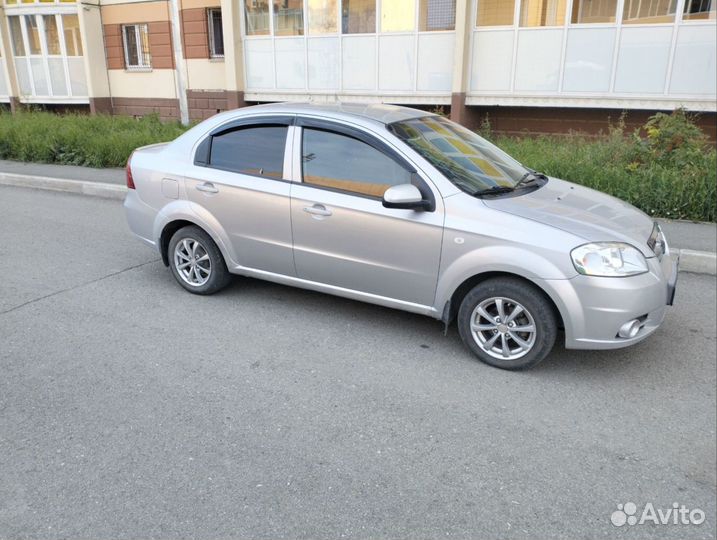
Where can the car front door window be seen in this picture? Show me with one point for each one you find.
(340, 162)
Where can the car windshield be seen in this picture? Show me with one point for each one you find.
(466, 159)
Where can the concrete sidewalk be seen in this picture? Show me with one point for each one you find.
(66, 172)
(697, 242)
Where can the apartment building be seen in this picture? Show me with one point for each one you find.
(541, 65)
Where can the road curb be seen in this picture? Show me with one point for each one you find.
(92, 189)
(699, 262)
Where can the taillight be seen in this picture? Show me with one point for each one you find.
(130, 180)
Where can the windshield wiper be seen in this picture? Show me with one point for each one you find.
(495, 190)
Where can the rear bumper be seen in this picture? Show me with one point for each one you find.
(593, 309)
(140, 217)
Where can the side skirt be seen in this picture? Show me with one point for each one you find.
(338, 291)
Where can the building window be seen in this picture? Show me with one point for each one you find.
(495, 12)
(256, 17)
(542, 13)
(70, 28)
(289, 18)
(594, 11)
(322, 16)
(136, 46)
(358, 16)
(216, 33)
(73, 40)
(398, 16)
(52, 37)
(18, 45)
(436, 15)
(699, 10)
(33, 34)
(649, 11)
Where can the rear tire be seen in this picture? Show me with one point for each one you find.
(196, 262)
(507, 323)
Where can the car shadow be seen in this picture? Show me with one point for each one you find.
(339, 307)
(588, 364)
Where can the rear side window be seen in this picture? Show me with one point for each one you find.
(258, 151)
(336, 161)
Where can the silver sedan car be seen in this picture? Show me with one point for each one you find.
(405, 209)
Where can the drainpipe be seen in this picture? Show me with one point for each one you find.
(180, 66)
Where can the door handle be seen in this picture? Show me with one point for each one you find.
(318, 210)
(206, 187)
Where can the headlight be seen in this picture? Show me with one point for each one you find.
(608, 259)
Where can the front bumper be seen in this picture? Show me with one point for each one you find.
(593, 308)
(672, 281)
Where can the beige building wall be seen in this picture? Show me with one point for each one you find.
(98, 86)
(114, 12)
(233, 52)
(139, 92)
(157, 83)
(205, 77)
(204, 74)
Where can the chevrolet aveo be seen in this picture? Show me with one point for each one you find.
(405, 209)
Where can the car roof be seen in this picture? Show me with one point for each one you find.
(379, 112)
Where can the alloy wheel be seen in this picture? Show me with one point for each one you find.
(192, 262)
(503, 328)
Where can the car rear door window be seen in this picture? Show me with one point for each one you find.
(257, 151)
(335, 161)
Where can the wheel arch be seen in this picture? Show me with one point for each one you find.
(175, 216)
(167, 233)
(450, 309)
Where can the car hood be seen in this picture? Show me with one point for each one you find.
(582, 211)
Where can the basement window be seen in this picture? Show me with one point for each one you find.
(216, 33)
(135, 38)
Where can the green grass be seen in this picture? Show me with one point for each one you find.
(661, 188)
(75, 139)
(671, 172)
(673, 192)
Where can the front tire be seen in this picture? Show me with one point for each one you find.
(196, 262)
(507, 323)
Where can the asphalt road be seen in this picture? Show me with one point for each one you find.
(131, 409)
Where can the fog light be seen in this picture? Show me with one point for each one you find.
(630, 329)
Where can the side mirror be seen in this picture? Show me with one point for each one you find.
(405, 196)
